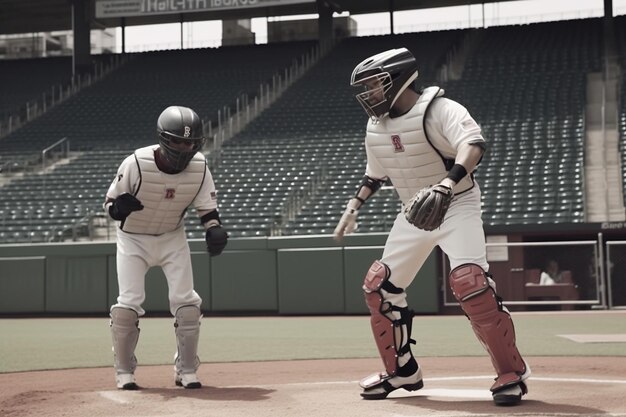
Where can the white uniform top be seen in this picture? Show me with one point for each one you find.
(410, 149)
(165, 197)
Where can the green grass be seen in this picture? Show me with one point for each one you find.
(35, 344)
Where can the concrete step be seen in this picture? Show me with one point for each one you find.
(596, 218)
(614, 181)
(612, 159)
(594, 157)
(603, 178)
(617, 215)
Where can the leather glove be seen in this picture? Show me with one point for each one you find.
(216, 240)
(427, 209)
(347, 224)
(123, 205)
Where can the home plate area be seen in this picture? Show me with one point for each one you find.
(559, 386)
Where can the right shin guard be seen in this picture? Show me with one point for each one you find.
(491, 323)
(187, 328)
(125, 334)
(391, 325)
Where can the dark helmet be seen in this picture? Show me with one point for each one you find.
(389, 72)
(178, 124)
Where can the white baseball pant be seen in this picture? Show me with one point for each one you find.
(137, 253)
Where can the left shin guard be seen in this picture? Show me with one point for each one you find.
(490, 321)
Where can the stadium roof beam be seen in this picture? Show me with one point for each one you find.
(31, 16)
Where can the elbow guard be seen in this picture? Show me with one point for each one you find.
(212, 215)
(372, 183)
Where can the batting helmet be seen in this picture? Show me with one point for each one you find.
(385, 76)
(180, 125)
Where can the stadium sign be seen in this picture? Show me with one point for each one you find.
(127, 8)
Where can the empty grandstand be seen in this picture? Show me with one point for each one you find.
(291, 169)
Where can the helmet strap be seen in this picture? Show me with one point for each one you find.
(403, 102)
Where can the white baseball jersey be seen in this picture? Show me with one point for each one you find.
(165, 197)
(410, 150)
(155, 236)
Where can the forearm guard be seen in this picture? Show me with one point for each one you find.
(372, 183)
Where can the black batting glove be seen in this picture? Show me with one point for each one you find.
(123, 205)
(216, 239)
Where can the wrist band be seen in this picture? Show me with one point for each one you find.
(457, 173)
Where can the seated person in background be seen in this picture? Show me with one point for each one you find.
(551, 275)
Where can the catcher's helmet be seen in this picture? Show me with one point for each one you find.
(179, 125)
(385, 76)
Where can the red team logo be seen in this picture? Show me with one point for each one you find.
(169, 193)
(397, 144)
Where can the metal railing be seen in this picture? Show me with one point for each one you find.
(616, 274)
(297, 199)
(63, 144)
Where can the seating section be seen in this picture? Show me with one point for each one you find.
(293, 168)
(526, 87)
(46, 207)
(28, 86)
(24, 80)
(121, 110)
(262, 182)
(119, 113)
(315, 130)
(27, 80)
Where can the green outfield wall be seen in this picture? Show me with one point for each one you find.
(277, 275)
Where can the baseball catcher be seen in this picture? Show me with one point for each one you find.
(149, 197)
(428, 147)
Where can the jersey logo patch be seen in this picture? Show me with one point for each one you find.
(397, 143)
(468, 125)
(169, 193)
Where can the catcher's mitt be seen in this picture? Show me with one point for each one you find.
(428, 207)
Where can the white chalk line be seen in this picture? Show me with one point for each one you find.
(464, 378)
(122, 397)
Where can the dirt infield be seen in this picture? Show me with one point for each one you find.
(559, 386)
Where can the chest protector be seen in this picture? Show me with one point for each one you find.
(165, 197)
(410, 160)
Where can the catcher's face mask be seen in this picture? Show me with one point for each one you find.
(178, 151)
(180, 133)
(374, 97)
(385, 76)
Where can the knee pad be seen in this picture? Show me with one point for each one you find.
(125, 334)
(187, 329)
(491, 323)
(391, 325)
